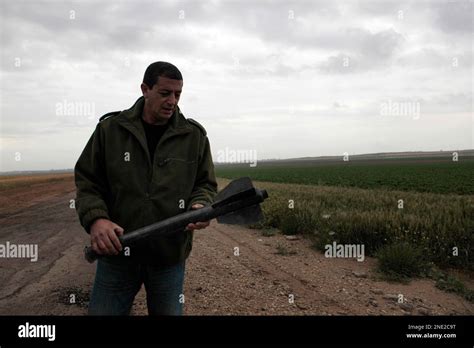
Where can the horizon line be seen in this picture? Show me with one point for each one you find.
(271, 159)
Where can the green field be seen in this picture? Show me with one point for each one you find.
(358, 202)
(427, 175)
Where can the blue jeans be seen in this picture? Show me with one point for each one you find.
(117, 283)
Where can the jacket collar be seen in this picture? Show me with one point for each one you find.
(130, 119)
(177, 123)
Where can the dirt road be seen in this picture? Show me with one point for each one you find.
(267, 276)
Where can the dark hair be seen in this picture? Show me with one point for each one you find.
(157, 69)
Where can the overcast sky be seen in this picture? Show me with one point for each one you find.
(283, 78)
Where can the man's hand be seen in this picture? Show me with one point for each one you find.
(198, 225)
(104, 237)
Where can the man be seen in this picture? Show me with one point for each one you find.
(140, 166)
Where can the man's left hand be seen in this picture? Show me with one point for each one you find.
(198, 225)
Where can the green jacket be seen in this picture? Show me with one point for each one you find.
(116, 179)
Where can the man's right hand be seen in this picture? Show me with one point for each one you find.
(104, 237)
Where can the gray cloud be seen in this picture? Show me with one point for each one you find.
(268, 69)
(455, 17)
(366, 51)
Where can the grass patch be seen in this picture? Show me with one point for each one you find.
(269, 232)
(400, 261)
(296, 221)
(450, 283)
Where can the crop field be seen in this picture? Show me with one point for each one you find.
(427, 204)
(17, 181)
(435, 176)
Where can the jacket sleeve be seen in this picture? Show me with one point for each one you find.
(205, 186)
(91, 183)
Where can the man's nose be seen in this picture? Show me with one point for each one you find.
(172, 99)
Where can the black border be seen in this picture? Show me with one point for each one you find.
(224, 330)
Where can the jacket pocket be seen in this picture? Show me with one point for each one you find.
(176, 172)
(173, 182)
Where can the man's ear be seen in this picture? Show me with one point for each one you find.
(145, 89)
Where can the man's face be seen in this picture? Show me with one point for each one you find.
(162, 99)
